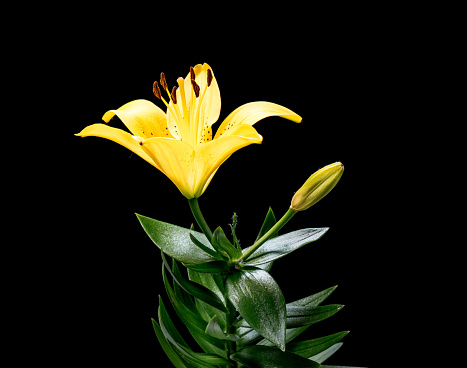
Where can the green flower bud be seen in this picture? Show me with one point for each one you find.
(317, 186)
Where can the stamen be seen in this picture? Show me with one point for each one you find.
(156, 90)
(164, 82)
(173, 95)
(181, 85)
(195, 87)
(192, 73)
(209, 77)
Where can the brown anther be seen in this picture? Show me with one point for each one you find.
(192, 73)
(164, 82)
(173, 95)
(209, 77)
(195, 87)
(156, 90)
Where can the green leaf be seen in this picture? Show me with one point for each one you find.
(303, 316)
(268, 357)
(196, 290)
(175, 241)
(195, 324)
(220, 240)
(215, 330)
(311, 301)
(324, 355)
(188, 316)
(283, 245)
(268, 223)
(206, 249)
(198, 360)
(171, 329)
(186, 298)
(338, 366)
(248, 335)
(312, 347)
(315, 299)
(259, 300)
(209, 281)
(169, 351)
(210, 267)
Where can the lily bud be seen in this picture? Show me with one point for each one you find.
(317, 186)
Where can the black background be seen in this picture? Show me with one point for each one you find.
(339, 71)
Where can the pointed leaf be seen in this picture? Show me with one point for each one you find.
(196, 290)
(339, 366)
(324, 355)
(258, 298)
(303, 316)
(186, 298)
(248, 335)
(186, 353)
(172, 330)
(215, 330)
(312, 347)
(194, 322)
(175, 241)
(284, 244)
(315, 299)
(188, 316)
(210, 267)
(268, 223)
(267, 357)
(219, 239)
(169, 351)
(311, 301)
(206, 249)
(209, 281)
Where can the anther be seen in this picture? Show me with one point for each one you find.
(164, 82)
(192, 73)
(209, 77)
(156, 90)
(173, 95)
(195, 87)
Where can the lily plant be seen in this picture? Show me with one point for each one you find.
(224, 295)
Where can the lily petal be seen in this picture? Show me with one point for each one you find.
(142, 118)
(211, 103)
(175, 159)
(253, 112)
(117, 135)
(210, 156)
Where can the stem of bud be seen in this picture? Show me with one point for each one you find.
(279, 225)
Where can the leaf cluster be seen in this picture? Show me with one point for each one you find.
(234, 309)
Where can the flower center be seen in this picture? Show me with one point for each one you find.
(185, 105)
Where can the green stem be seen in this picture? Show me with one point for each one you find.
(199, 218)
(279, 224)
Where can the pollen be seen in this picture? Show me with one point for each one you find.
(164, 82)
(195, 87)
(209, 77)
(173, 95)
(156, 90)
(192, 73)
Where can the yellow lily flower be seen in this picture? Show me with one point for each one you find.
(179, 143)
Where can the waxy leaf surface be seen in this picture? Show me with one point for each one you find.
(284, 244)
(269, 357)
(312, 347)
(259, 300)
(175, 241)
(196, 290)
